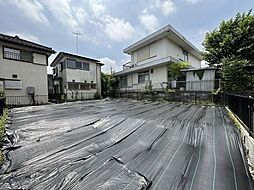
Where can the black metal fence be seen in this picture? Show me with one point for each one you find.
(14, 101)
(243, 107)
(2, 104)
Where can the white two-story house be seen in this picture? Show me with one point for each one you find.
(151, 56)
(23, 70)
(76, 77)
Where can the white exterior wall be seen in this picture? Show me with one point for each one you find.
(195, 62)
(98, 81)
(30, 74)
(80, 76)
(208, 75)
(205, 84)
(156, 49)
(173, 50)
(161, 49)
(160, 74)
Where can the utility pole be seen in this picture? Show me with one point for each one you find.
(111, 70)
(77, 34)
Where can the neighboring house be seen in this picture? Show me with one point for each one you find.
(23, 70)
(151, 56)
(50, 84)
(76, 77)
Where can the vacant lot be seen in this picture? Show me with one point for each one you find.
(124, 145)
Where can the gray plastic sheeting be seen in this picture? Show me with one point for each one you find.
(123, 145)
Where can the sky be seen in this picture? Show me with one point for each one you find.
(106, 27)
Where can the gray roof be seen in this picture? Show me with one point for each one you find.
(166, 32)
(18, 41)
(148, 65)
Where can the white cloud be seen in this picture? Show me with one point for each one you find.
(109, 64)
(24, 36)
(70, 16)
(97, 7)
(192, 1)
(149, 21)
(80, 14)
(165, 6)
(117, 29)
(168, 7)
(33, 10)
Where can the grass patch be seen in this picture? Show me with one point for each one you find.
(3, 120)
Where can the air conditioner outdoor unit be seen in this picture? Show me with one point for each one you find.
(30, 90)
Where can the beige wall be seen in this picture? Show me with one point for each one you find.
(161, 49)
(82, 75)
(208, 75)
(205, 84)
(196, 63)
(156, 49)
(160, 74)
(98, 79)
(30, 74)
(94, 74)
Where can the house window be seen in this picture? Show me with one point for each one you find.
(143, 77)
(73, 86)
(86, 66)
(14, 76)
(185, 56)
(15, 85)
(123, 81)
(93, 86)
(56, 71)
(78, 65)
(151, 71)
(71, 64)
(84, 86)
(61, 66)
(10, 53)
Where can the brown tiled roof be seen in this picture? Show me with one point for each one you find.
(19, 41)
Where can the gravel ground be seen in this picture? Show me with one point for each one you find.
(124, 145)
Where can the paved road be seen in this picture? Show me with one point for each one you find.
(124, 145)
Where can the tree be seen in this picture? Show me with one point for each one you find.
(174, 69)
(232, 46)
(233, 38)
(109, 85)
(235, 77)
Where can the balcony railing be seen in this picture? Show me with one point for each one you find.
(18, 56)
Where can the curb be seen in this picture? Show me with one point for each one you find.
(247, 140)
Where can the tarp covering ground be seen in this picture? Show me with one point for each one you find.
(124, 145)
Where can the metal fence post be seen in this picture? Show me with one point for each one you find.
(1, 106)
